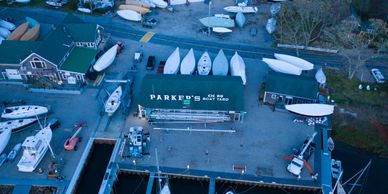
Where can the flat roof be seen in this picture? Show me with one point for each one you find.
(192, 92)
(79, 60)
(300, 86)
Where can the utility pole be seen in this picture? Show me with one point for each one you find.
(210, 3)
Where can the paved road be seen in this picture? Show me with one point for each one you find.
(119, 28)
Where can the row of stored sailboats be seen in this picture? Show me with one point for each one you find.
(219, 66)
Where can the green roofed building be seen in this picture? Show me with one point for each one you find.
(60, 58)
(282, 89)
(192, 98)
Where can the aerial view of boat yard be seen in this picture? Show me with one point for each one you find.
(193, 96)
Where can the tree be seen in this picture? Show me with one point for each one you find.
(303, 21)
(356, 44)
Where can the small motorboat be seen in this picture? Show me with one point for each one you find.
(240, 19)
(114, 101)
(14, 152)
(32, 22)
(24, 111)
(138, 9)
(188, 63)
(271, 25)
(17, 124)
(221, 30)
(296, 61)
(172, 63)
(31, 34)
(312, 110)
(214, 21)
(84, 10)
(4, 139)
(129, 15)
(106, 59)
(204, 64)
(18, 32)
(4, 32)
(236, 9)
(7, 25)
(237, 67)
(220, 64)
(282, 66)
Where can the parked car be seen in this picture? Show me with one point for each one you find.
(149, 22)
(161, 66)
(151, 63)
(378, 75)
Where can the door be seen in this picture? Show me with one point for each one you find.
(13, 74)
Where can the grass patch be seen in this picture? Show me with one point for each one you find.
(346, 92)
(366, 126)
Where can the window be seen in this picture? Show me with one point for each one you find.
(37, 63)
(79, 77)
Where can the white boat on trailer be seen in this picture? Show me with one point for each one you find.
(129, 15)
(188, 63)
(114, 101)
(296, 61)
(282, 66)
(312, 110)
(220, 64)
(17, 124)
(34, 149)
(172, 63)
(237, 67)
(106, 59)
(204, 64)
(221, 30)
(24, 111)
(4, 139)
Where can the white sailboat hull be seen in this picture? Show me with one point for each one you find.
(129, 15)
(296, 61)
(204, 64)
(7, 25)
(159, 3)
(4, 32)
(14, 125)
(106, 59)
(84, 10)
(114, 101)
(17, 112)
(172, 63)
(314, 110)
(236, 9)
(282, 67)
(221, 30)
(4, 139)
(188, 63)
(220, 64)
(237, 67)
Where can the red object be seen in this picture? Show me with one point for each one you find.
(71, 144)
(120, 46)
(308, 167)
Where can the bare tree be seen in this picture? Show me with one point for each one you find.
(302, 21)
(354, 44)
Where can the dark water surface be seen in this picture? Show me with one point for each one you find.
(353, 160)
(94, 171)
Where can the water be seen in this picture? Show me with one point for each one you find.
(95, 168)
(354, 160)
(222, 187)
(130, 183)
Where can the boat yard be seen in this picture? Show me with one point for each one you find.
(250, 150)
(258, 143)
